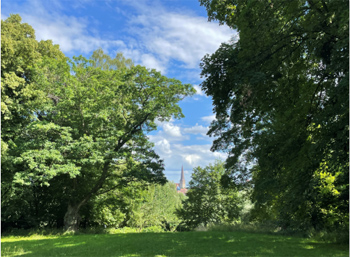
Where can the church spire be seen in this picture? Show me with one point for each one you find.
(182, 180)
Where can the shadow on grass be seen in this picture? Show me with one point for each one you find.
(172, 244)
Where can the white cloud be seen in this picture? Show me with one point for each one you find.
(172, 130)
(190, 156)
(69, 32)
(168, 131)
(192, 159)
(164, 37)
(208, 119)
(199, 90)
(151, 62)
(174, 36)
(163, 147)
(197, 129)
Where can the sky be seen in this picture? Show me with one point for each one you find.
(171, 36)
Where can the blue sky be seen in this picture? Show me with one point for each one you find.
(169, 35)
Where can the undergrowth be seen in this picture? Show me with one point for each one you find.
(339, 236)
(329, 236)
(88, 231)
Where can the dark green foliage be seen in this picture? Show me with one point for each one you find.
(139, 206)
(281, 98)
(207, 201)
(21, 205)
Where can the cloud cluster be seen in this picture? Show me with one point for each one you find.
(152, 36)
(72, 34)
(171, 143)
(175, 36)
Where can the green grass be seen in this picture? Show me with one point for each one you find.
(210, 243)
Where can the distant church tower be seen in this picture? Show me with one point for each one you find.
(181, 187)
(182, 180)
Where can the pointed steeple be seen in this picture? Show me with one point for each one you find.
(182, 180)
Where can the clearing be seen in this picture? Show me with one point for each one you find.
(210, 243)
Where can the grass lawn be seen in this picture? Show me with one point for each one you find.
(169, 244)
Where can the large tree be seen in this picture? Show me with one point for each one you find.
(280, 95)
(86, 127)
(19, 52)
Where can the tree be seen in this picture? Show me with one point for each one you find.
(209, 202)
(280, 95)
(155, 206)
(138, 205)
(88, 130)
(105, 62)
(19, 53)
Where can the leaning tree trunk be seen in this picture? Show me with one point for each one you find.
(72, 218)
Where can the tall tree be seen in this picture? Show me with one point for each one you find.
(280, 94)
(89, 129)
(19, 98)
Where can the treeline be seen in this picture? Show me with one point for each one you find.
(74, 145)
(138, 206)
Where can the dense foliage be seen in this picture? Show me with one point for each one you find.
(155, 206)
(74, 129)
(208, 202)
(138, 206)
(281, 98)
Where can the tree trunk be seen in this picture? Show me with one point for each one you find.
(72, 218)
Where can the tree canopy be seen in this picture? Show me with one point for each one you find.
(208, 202)
(280, 94)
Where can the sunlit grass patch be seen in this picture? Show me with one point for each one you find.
(21, 238)
(210, 243)
(13, 251)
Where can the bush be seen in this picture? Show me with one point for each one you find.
(32, 232)
(339, 236)
(153, 229)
